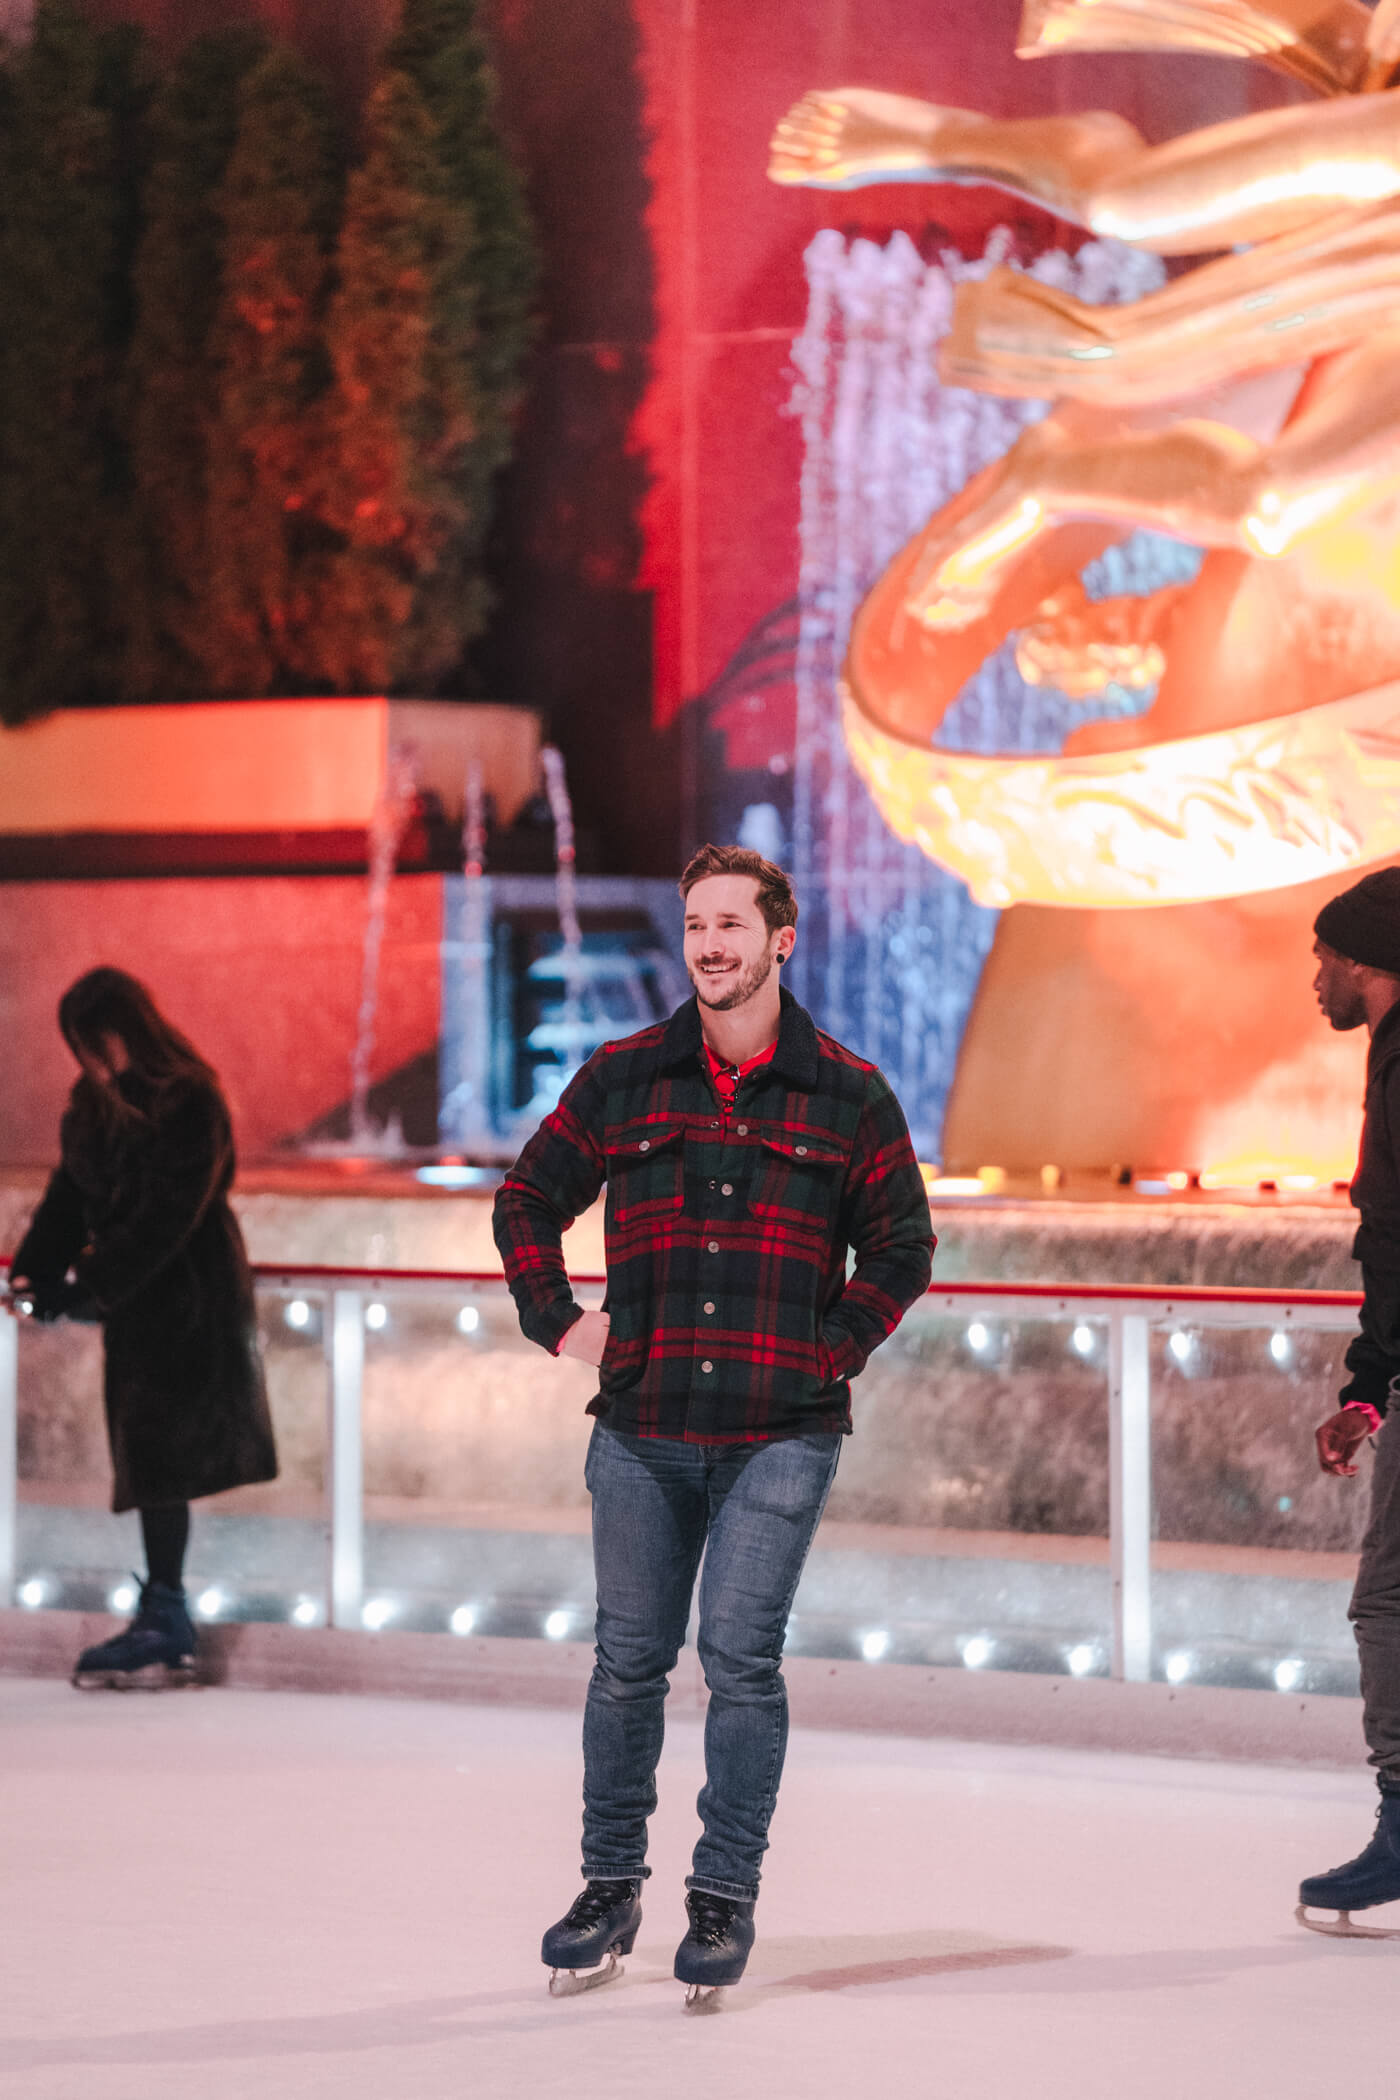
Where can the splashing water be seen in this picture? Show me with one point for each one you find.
(463, 1119)
(892, 946)
(392, 808)
(572, 1032)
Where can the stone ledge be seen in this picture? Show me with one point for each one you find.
(884, 1698)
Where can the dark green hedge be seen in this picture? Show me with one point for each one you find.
(254, 387)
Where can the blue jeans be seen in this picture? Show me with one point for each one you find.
(657, 1503)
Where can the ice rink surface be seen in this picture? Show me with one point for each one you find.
(252, 1896)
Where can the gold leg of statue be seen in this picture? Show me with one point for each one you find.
(1247, 180)
(1199, 481)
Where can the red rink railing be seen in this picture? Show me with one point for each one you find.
(1129, 1313)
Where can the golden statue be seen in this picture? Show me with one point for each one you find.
(1251, 406)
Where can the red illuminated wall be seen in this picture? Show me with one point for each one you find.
(263, 972)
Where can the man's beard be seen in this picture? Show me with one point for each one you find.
(750, 981)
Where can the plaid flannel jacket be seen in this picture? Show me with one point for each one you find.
(732, 1319)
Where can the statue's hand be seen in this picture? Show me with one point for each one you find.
(1082, 647)
(839, 138)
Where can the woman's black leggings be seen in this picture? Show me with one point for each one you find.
(165, 1532)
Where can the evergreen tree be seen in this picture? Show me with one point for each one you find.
(397, 420)
(482, 299)
(172, 381)
(64, 208)
(278, 203)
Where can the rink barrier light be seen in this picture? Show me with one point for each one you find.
(297, 1313)
(463, 1620)
(978, 1336)
(210, 1602)
(468, 1320)
(1083, 1659)
(377, 1613)
(1181, 1345)
(1129, 1323)
(976, 1651)
(32, 1592)
(1082, 1340)
(305, 1612)
(875, 1646)
(557, 1625)
(1289, 1673)
(1178, 1666)
(1281, 1348)
(376, 1315)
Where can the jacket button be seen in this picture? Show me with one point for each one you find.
(801, 1151)
(742, 1128)
(713, 1246)
(728, 1189)
(709, 1305)
(715, 1124)
(645, 1145)
(707, 1365)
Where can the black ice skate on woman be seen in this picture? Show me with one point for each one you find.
(582, 1950)
(155, 1651)
(715, 1951)
(1372, 1877)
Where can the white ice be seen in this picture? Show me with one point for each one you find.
(226, 1895)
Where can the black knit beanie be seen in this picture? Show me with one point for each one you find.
(1363, 924)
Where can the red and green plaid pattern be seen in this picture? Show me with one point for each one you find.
(732, 1316)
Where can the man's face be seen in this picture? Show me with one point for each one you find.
(729, 950)
(1338, 985)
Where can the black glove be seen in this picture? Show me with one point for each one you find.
(48, 1302)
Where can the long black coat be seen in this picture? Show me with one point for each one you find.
(139, 1211)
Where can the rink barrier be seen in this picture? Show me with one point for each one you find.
(1129, 1312)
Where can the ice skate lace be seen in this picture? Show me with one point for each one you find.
(596, 1901)
(710, 1918)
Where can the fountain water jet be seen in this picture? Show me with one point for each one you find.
(391, 813)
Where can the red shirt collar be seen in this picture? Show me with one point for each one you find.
(717, 1064)
(727, 1077)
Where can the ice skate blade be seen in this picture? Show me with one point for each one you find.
(1341, 1928)
(572, 1983)
(704, 1997)
(154, 1677)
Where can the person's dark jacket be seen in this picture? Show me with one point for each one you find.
(732, 1316)
(1373, 1358)
(138, 1212)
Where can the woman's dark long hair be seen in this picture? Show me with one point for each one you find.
(109, 1002)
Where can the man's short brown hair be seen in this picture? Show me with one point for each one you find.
(775, 899)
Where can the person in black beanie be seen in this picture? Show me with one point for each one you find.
(1358, 984)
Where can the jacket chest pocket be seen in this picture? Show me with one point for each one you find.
(797, 1184)
(646, 1172)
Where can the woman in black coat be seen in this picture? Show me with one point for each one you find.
(136, 1225)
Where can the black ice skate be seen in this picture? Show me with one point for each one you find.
(1372, 1877)
(157, 1649)
(715, 1951)
(582, 1950)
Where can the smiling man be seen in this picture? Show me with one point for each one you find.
(744, 1153)
(1358, 986)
